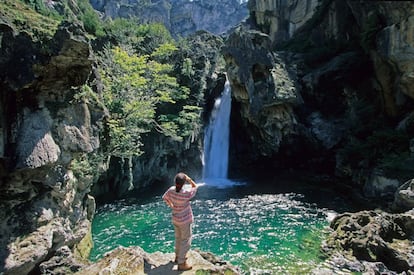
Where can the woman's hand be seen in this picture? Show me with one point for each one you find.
(188, 179)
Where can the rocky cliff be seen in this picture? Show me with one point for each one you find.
(325, 86)
(312, 79)
(47, 128)
(181, 17)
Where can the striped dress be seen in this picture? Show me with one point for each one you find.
(180, 201)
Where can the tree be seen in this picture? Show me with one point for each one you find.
(134, 87)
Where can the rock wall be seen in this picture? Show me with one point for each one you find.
(264, 85)
(338, 54)
(47, 126)
(392, 48)
(345, 70)
(281, 19)
(181, 17)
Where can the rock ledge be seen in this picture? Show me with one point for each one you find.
(134, 260)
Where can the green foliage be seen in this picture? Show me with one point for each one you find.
(24, 17)
(164, 52)
(80, 10)
(182, 125)
(86, 165)
(86, 94)
(90, 18)
(40, 7)
(187, 67)
(123, 31)
(153, 36)
(142, 38)
(135, 87)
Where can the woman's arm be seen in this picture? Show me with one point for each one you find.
(190, 180)
(169, 203)
(167, 200)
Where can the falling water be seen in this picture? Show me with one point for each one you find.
(216, 138)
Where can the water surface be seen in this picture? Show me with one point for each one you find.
(277, 230)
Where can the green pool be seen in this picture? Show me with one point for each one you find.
(274, 231)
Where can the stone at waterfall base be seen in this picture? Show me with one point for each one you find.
(134, 260)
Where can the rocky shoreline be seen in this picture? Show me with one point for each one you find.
(370, 242)
(134, 260)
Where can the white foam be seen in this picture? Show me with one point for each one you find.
(220, 182)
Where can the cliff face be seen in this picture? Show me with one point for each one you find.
(46, 129)
(264, 86)
(181, 17)
(281, 19)
(327, 86)
(338, 57)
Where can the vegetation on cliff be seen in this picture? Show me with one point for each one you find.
(136, 65)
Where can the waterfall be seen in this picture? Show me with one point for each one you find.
(216, 138)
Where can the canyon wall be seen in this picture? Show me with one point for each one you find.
(312, 79)
(181, 17)
(48, 127)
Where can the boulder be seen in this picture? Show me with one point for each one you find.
(404, 197)
(368, 237)
(63, 262)
(380, 186)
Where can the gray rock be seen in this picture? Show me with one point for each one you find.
(404, 197)
(377, 185)
(181, 17)
(281, 19)
(134, 260)
(265, 84)
(35, 144)
(328, 132)
(43, 206)
(63, 262)
(369, 237)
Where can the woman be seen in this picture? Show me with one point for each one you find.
(178, 199)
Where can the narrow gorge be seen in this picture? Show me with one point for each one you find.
(102, 102)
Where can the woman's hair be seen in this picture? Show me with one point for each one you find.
(179, 181)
